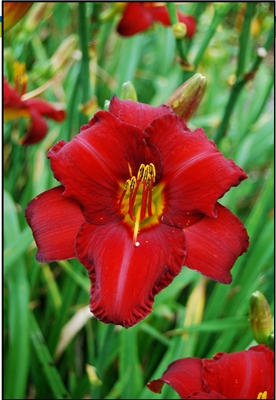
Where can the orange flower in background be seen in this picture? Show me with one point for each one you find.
(13, 12)
(139, 16)
(15, 106)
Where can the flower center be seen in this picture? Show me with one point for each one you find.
(141, 201)
(20, 77)
(262, 395)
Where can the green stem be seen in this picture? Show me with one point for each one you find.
(219, 14)
(180, 44)
(85, 79)
(238, 85)
(244, 37)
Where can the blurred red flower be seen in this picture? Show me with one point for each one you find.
(16, 106)
(138, 201)
(139, 16)
(14, 11)
(247, 374)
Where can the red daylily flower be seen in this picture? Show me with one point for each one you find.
(16, 106)
(139, 16)
(138, 201)
(14, 11)
(247, 374)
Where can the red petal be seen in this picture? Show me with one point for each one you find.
(241, 375)
(124, 277)
(38, 129)
(11, 97)
(46, 109)
(190, 23)
(213, 245)
(203, 395)
(96, 162)
(55, 221)
(195, 172)
(183, 375)
(135, 19)
(134, 113)
(160, 14)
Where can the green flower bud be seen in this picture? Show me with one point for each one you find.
(179, 30)
(128, 91)
(260, 318)
(185, 100)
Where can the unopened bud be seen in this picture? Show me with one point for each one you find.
(39, 12)
(13, 12)
(179, 30)
(92, 375)
(260, 318)
(185, 100)
(128, 91)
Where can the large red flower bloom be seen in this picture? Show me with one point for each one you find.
(138, 201)
(15, 106)
(248, 374)
(139, 16)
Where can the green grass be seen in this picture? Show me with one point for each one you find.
(40, 299)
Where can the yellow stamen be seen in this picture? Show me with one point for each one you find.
(20, 77)
(262, 395)
(140, 206)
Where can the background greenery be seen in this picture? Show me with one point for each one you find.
(53, 347)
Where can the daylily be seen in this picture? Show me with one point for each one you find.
(14, 11)
(138, 201)
(247, 374)
(139, 16)
(17, 105)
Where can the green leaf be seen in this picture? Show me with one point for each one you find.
(48, 368)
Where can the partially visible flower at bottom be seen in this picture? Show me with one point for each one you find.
(247, 374)
(16, 106)
(137, 202)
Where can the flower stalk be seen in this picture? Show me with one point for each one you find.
(180, 44)
(238, 85)
(84, 75)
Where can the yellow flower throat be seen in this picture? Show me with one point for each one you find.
(141, 201)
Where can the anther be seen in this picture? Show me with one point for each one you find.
(152, 171)
(145, 176)
(141, 171)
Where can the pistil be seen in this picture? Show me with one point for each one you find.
(140, 202)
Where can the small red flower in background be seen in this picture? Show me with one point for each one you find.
(138, 201)
(14, 11)
(16, 106)
(139, 16)
(247, 374)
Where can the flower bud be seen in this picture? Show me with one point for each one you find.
(185, 100)
(260, 318)
(179, 30)
(128, 91)
(14, 12)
